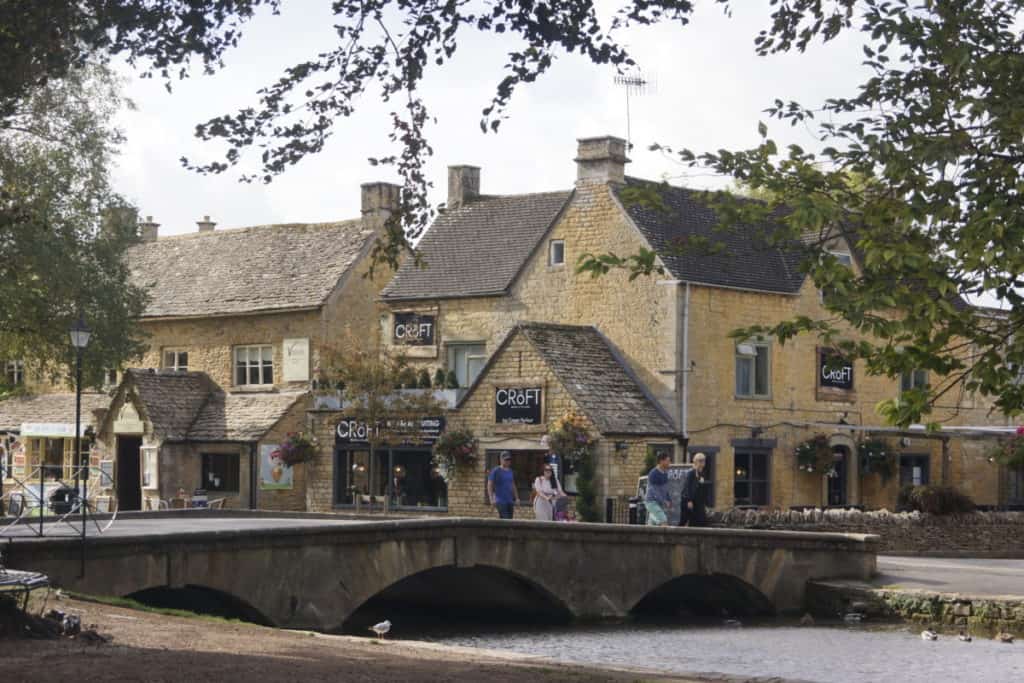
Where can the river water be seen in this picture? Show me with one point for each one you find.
(826, 654)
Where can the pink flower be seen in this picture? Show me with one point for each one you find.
(1020, 431)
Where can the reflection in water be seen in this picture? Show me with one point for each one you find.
(828, 654)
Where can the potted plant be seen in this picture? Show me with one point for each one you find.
(814, 455)
(569, 437)
(296, 448)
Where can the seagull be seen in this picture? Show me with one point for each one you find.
(381, 629)
(964, 637)
(1004, 637)
(928, 634)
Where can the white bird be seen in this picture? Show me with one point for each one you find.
(732, 623)
(964, 637)
(929, 635)
(381, 629)
(853, 617)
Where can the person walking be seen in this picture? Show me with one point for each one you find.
(546, 490)
(694, 512)
(657, 500)
(501, 487)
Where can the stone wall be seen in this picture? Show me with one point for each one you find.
(991, 534)
(293, 499)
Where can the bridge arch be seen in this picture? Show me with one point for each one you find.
(480, 591)
(705, 595)
(201, 600)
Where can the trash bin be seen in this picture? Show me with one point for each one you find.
(63, 500)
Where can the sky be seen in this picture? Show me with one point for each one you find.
(708, 91)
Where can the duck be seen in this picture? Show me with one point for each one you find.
(381, 629)
(807, 619)
(964, 637)
(1004, 637)
(732, 623)
(853, 617)
(928, 634)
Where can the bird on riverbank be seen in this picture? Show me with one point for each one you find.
(853, 617)
(929, 635)
(964, 637)
(1004, 637)
(732, 623)
(381, 629)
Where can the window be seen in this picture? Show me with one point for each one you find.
(842, 256)
(220, 472)
(407, 476)
(918, 379)
(556, 253)
(176, 359)
(466, 360)
(750, 485)
(526, 466)
(254, 365)
(8, 444)
(1015, 486)
(14, 372)
(753, 369)
(913, 470)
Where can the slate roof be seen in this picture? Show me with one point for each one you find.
(477, 249)
(53, 408)
(247, 270)
(189, 406)
(596, 378)
(746, 262)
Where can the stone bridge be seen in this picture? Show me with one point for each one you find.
(318, 577)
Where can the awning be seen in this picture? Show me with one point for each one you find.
(53, 430)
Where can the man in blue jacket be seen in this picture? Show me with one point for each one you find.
(657, 500)
(501, 487)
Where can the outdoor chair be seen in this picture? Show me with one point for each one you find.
(217, 503)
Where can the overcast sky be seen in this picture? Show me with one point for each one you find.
(708, 92)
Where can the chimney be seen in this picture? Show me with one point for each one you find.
(148, 230)
(378, 202)
(601, 160)
(463, 185)
(206, 225)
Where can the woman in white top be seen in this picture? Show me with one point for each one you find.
(547, 489)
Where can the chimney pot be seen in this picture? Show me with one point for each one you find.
(206, 225)
(463, 185)
(148, 230)
(601, 160)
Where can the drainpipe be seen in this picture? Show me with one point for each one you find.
(685, 370)
(253, 476)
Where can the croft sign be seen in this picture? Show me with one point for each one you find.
(517, 405)
(834, 371)
(413, 329)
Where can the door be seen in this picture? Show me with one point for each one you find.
(129, 475)
(837, 481)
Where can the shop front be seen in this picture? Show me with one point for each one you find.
(400, 475)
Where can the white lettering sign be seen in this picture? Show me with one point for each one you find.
(296, 360)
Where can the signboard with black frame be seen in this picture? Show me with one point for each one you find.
(518, 405)
(351, 431)
(413, 329)
(834, 371)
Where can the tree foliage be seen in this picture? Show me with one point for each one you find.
(63, 230)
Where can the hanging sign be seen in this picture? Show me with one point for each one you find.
(834, 371)
(518, 405)
(413, 329)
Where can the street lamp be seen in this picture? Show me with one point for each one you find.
(80, 339)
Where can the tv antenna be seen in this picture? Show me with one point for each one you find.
(633, 84)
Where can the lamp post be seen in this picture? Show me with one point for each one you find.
(80, 339)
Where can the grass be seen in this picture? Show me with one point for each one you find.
(128, 603)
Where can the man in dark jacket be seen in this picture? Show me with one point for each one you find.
(694, 512)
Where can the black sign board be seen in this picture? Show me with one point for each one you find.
(834, 371)
(350, 431)
(413, 329)
(518, 405)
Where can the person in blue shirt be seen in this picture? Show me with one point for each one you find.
(501, 487)
(657, 500)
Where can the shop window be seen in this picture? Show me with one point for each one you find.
(914, 470)
(220, 472)
(753, 371)
(1015, 485)
(466, 360)
(14, 372)
(53, 458)
(556, 253)
(526, 466)
(916, 379)
(750, 482)
(408, 477)
(254, 365)
(176, 359)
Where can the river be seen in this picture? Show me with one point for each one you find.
(875, 653)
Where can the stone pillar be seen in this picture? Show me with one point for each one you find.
(463, 185)
(378, 202)
(601, 160)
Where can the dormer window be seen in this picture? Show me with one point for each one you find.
(556, 253)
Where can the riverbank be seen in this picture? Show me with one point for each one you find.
(150, 646)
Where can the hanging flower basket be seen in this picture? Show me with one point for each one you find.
(569, 438)
(877, 458)
(454, 448)
(296, 448)
(814, 455)
(1011, 452)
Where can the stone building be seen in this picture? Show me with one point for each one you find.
(493, 262)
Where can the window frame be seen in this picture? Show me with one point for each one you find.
(15, 368)
(845, 258)
(176, 366)
(737, 357)
(249, 366)
(451, 359)
(749, 480)
(551, 253)
(235, 472)
(384, 458)
(913, 375)
(912, 458)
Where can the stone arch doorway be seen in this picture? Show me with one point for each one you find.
(841, 487)
(450, 593)
(705, 595)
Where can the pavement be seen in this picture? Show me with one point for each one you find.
(974, 577)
